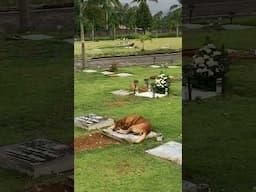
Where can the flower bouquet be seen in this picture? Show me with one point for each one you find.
(207, 67)
(162, 83)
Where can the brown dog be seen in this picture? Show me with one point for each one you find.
(133, 124)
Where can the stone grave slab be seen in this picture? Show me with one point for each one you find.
(173, 67)
(37, 37)
(107, 73)
(149, 95)
(122, 92)
(89, 71)
(37, 157)
(128, 137)
(237, 27)
(155, 66)
(187, 186)
(92, 122)
(171, 151)
(197, 93)
(124, 74)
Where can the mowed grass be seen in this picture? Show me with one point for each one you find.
(126, 167)
(219, 134)
(118, 47)
(36, 99)
(233, 39)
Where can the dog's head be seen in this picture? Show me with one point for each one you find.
(119, 125)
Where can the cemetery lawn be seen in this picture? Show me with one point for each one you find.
(233, 39)
(117, 47)
(126, 167)
(35, 87)
(219, 140)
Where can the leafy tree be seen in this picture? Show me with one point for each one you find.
(93, 15)
(175, 17)
(158, 20)
(143, 38)
(109, 6)
(143, 17)
(144, 1)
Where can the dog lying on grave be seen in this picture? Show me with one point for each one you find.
(133, 124)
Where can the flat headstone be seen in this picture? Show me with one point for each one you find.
(128, 137)
(173, 67)
(107, 73)
(187, 186)
(171, 151)
(89, 71)
(237, 27)
(155, 66)
(92, 122)
(36, 37)
(149, 95)
(197, 93)
(122, 92)
(37, 157)
(124, 75)
(193, 26)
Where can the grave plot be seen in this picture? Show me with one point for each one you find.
(171, 151)
(129, 137)
(124, 74)
(188, 186)
(122, 92)
(150, 95)
(107, 73)
(37, 157)
(155, 66)
(51, 187)
(197, 93)
(36, 37)
(92, 141)
(112, 74)
(173, 67)
(89, 71)
(92, 122)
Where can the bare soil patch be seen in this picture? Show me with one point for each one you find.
(118, 102)
(56, 187)
(91, 141)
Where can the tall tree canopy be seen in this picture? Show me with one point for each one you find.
(143, 17)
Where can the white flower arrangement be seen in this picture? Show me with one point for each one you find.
(206, 62)
(162, 81)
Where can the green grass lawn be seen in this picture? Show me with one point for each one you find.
(126, 167)
(36, 99)
(233, 39)
(116, 47)
(219, 134)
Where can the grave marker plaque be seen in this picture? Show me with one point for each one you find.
(92, 122)
(37, 157)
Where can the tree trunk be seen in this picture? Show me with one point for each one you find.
(177, 30)
(93, 30)
(114, 32)
(24, 8)
(82, 37)
(107, 17)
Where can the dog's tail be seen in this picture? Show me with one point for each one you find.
(142, 137)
